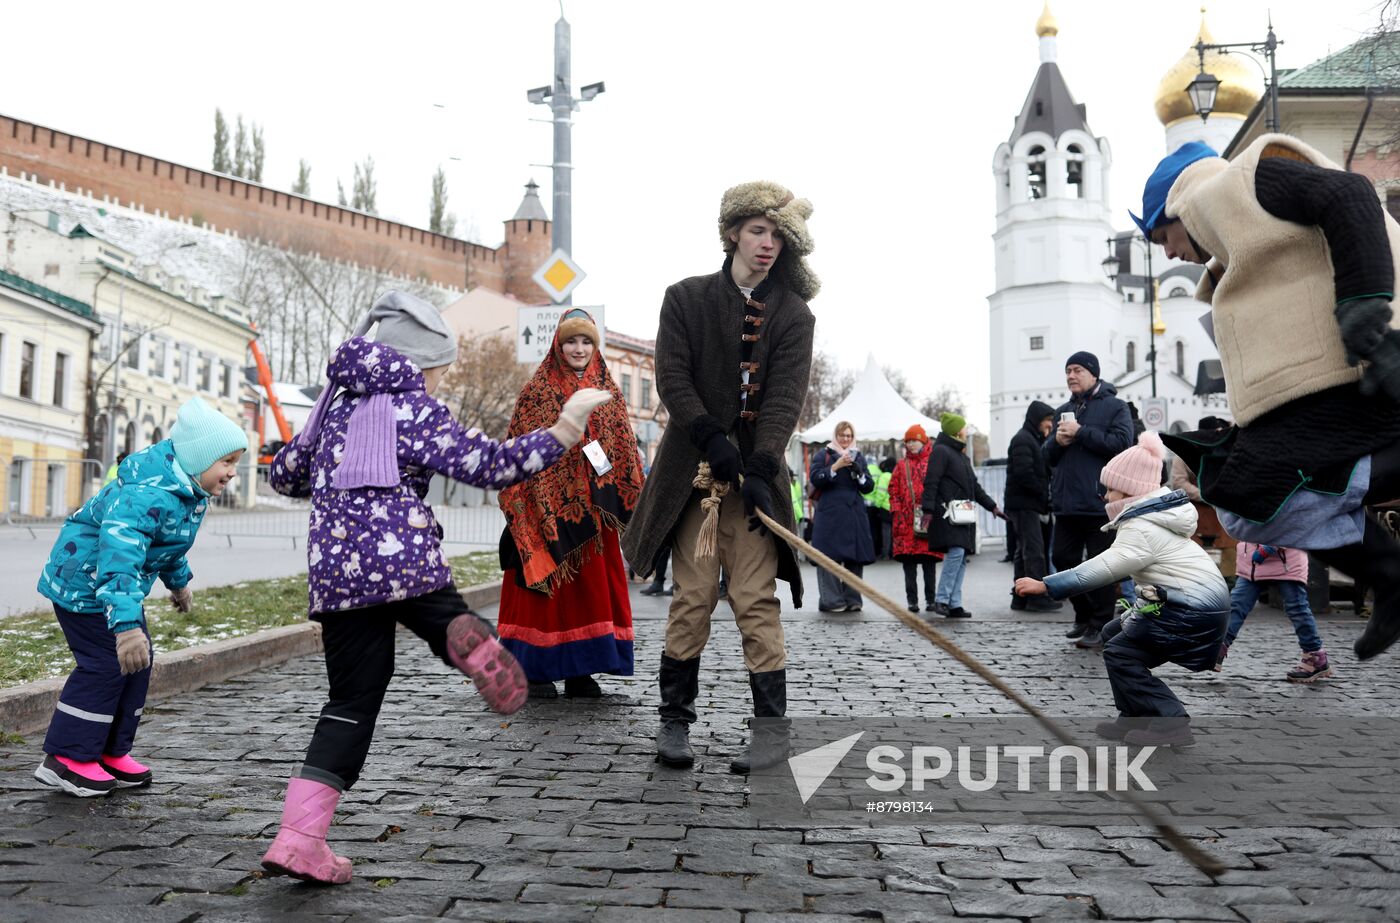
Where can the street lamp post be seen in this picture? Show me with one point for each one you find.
(1204, 86)
(1111, 267)
(559, 97)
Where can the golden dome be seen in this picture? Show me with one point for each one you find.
(1047, 24)
(1241, 84)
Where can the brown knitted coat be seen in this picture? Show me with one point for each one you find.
(698, 351)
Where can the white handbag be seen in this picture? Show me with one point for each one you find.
(960, 512)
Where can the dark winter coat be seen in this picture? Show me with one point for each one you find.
(841, 527)
(370, 545)
(698, 351)
(1027, 471)
(950, 477)
(1105, 429)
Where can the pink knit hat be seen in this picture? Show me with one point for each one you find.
(1137, 470)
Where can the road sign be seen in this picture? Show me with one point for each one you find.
(1154, 413)
(535, 326)
(559, 276)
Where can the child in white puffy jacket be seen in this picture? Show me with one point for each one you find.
(1182, 602)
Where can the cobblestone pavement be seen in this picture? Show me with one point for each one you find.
(560, 814)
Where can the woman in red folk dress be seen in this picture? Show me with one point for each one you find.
(906, 493)
(565, 612)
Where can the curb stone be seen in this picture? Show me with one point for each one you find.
(26, 709)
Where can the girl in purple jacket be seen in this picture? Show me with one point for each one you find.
(365, 457)
(1258, 565)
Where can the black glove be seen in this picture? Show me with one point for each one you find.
(723, 457)
(1364, 323)
(1382, 375)
(756, 495)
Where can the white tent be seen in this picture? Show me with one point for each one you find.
(874, 408)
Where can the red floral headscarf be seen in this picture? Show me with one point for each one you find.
(556, 515)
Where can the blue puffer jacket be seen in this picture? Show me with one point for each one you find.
(137, 528)
(1105, 429)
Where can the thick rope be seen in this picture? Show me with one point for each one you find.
(706, 543)
(1193, 853)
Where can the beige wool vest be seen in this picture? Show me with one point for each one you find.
(1273, 304)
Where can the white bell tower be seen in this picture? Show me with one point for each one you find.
(1051, 297)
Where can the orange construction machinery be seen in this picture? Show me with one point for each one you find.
(265, 379)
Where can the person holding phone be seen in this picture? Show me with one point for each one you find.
(840, 528)
(1088, 430)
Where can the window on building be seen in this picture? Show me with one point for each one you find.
(129, 442)
(132, 358)
(60, 379)
(156, 435)
(627, 388)
(185, 376)
(28, 359)
(1037, 343)
(646, 393)
(1074, 167)
(1035, 172)
(1132, 357)
(160, 354)
(226, 380)
(1181, 358)
(206, 373)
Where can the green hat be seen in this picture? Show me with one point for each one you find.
(202, 436)
(952, 424)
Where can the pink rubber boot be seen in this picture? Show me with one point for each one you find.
(473, 649)
(300, 849)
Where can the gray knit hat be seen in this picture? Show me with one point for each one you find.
(413, 327)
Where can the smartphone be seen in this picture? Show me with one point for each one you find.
(1067, 417)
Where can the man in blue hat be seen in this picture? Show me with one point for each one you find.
(1300, 272)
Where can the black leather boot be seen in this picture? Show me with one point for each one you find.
(1375, 561)
(680, 684)
(768, 739)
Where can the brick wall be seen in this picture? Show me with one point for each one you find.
(254, 211)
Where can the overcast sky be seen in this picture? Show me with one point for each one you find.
(884, 114)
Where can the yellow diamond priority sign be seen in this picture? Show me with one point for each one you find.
(559, 276)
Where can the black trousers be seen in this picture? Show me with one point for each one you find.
(1077, 538)
(663, 560)
(1030, 548)
(1187, 637)
(359, 647)
(911, 579)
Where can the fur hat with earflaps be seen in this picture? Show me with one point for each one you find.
(790, 214)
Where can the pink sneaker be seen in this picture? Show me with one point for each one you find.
(127, 772)
(300, 849)
(84, 780)
(473, 649)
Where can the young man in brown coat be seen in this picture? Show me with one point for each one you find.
(733, 357)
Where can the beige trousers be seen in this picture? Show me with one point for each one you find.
(751, 562)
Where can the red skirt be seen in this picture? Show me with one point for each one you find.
(584, 628)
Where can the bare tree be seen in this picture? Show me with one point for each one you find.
(241, 152)
(303, 184)
(364, 191)
(946, 399)
(255, 161)
(221, 161)
(828, 386)
(482, 386)
(900, 382)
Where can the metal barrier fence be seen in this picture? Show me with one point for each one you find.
(993, 481)
(54, 495)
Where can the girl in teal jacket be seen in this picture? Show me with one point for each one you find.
(105, 561)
